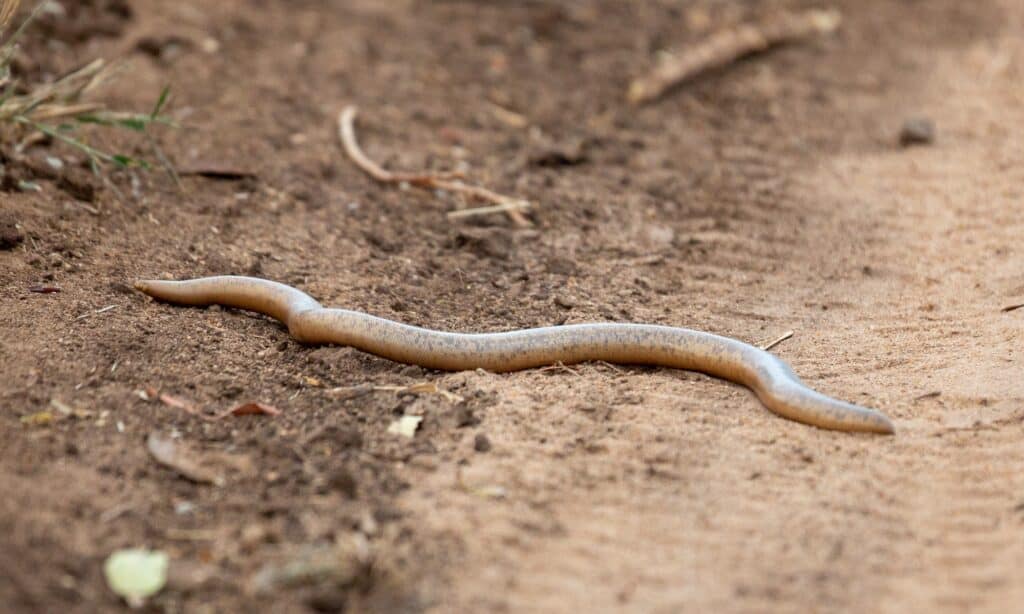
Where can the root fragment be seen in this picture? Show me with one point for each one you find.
(450, 182)
(729, 45)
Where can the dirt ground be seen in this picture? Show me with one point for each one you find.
(768, 196)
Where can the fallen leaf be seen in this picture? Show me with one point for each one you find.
(67, 410)
(342, 564)
(191, 576)
(433, 388)
(423, 388)
(180, 458)
(509, 117)
(248, 409)
(560, 154)
(61, 406)
(255, 408)
(350, 392)
(215, 170)
(175, 402)
(135, 574)
(405, 426)
(487, 491)
(490, 492)
(40, 418)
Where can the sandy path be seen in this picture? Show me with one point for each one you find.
(766, 197)
(687, 495)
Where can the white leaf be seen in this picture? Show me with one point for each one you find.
(136, 574)
(405, 426)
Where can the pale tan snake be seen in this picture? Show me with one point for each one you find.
(769, 377)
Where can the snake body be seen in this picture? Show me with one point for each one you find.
(768, 377)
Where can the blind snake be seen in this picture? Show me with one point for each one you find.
(771, 379)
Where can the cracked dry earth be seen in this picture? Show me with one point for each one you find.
(765, 197)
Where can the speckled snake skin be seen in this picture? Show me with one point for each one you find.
(771, 379)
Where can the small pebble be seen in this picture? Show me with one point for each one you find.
(10, 235)
(464, 417)
(565, 301)
(481, 443)
(343, 481)
(917, 131)
(330, 599)
(412, 371)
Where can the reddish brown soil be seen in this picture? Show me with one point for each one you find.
(767, 196)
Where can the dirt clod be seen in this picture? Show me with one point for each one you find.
(343, 481)
(917, 131)
(465, 416)
(10, 235)
(565, 301)
(328, 601)
(568, 153)
(339, 436)
(481, 443)
(166, 49)
(493, 243)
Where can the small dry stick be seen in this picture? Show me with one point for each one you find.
(560, 366)
(57, 99)
(1013, 307)
(7, 10)
(728, 46)
(610, 366)
(451, 182)
(782, 337)
(96, 312)
(509, 206)
(349, 392)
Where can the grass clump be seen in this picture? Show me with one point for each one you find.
(59, 109)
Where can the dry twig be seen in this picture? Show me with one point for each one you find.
(89, 314)
(348, 392)
(729, 45)
(451, 182)
(782, 337)
(560, 366)
(186, 462)
(58, 99)
(7, 10)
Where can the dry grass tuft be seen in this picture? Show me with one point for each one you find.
(37, 106)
